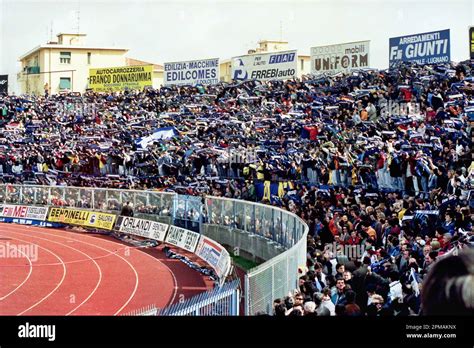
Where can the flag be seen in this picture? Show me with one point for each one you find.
(281, 189)
(414, 282)
(266, 190)
(159, 134)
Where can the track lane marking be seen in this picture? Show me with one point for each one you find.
(57, 286)
(27, 277)
(83, 253)
(81, 241)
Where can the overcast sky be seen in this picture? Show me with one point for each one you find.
(159, 31)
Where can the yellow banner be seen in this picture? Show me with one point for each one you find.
(119, 78)
(82, 218)
(471, 42)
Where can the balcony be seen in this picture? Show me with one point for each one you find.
(32, 69)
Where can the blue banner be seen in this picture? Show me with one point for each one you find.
(192, 73)
(31, 222)
(471, 42)
(159, 134)
(424, 48)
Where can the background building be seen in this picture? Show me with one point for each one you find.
(64, 64)
(264, 46)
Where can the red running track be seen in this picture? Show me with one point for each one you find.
(59, 272)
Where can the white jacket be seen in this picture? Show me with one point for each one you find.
(329, 305)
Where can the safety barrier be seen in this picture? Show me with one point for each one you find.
(100, 199)
(281, 233)
(142, 312)
(278, 275)
(222, 301)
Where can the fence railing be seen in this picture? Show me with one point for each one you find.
(274, 279)
(222, 301)
(148, 202)
(279, 275)
(147, 311)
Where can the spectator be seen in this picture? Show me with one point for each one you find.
(338, 295)
(374, 184)
(447, 289)
(127, 209)
(351, 308)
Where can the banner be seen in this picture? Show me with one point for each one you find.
(265, 66)
(143, 228)
(425, 48)
(31, 222)
(23, 211)
(340, 58)
(3, 83)
(80, 217)
(182, 238)
(159, 134)
(471, 43)
(194, 72)
(120, 78)
(215, 255)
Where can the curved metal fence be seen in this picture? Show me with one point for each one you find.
(222, 301)
(279, 275)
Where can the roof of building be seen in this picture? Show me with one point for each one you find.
(273, 41)
(132, 61)
(71, 47)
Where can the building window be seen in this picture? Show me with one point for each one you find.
(89, 58)
(302, 64)
(65, 83)
(65, 57)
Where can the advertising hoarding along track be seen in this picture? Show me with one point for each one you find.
(31, 222)
(83, 218)
(215, 255)
(182, 238)
(142, 228)
(24, 212)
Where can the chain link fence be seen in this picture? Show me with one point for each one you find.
(278, 276)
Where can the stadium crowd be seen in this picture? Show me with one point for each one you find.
(377, 162)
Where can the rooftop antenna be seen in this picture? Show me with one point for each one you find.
(78, 18)
(281, 30)
(51, 32)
